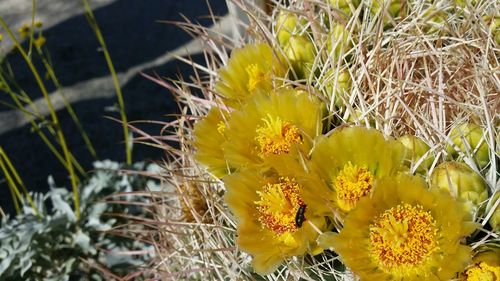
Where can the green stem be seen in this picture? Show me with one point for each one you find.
(14, 191)
(18, 180)
(68, 106)
(55, 120)
(31, 116)
(32, 29)
(95, 27)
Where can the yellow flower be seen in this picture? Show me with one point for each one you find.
(272, 125)
(404, 231)
(351, 160)
(40, 41)
(485, 267)
(274, 216)
(24, 31)
(253, 67)
(209, 135)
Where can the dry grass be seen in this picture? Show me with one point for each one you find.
(409, 78)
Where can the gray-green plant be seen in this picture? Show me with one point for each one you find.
(57, 246)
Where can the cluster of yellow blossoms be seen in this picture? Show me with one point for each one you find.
(297, 188)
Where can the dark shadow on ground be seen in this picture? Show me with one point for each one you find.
(144, 100)
(131, 30)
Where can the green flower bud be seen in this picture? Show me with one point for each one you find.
(493, 24)
(461, 181)
(434, 20)
(495, 218)
(340, 39)
(356, 115)
(344, 5)
(496, 30)
(393, 8)
(288, 25)
(337, 86)
(301, 53)
(463, 3)
(468, 137)
(416, 148)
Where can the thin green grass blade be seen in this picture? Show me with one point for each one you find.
(95, 27)
(62, 141)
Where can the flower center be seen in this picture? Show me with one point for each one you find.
(276, 136)
(351, 184)
(482, 272)
(403, 237)
(256, 75)
(279, 206)
(221, 127)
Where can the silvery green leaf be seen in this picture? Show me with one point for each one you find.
(25, 262)
(106, 164)
(60, 205)
(82, 240)
(37, 241)
(6, 264)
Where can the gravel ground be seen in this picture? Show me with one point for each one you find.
(137, 43)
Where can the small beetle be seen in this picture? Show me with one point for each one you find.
(299, 217)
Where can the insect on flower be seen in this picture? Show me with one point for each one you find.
(299, 217)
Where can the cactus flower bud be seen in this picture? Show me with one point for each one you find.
(495, 218)
(461, 181)
(356, 115)
(344, 5)
(496, 30)
(287, 25)
(493, 23)
(469, 138)
(393, 7)
(339, 41)
(301, 53)
(337, 84)
(463, 3)
(434, 20)
(416, 148)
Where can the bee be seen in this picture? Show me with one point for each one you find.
(299, 217)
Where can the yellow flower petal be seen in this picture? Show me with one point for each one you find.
(270, 126)
(404, 237)
(275, 219)
(250, 69)
(209, 135)
(351, 160)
